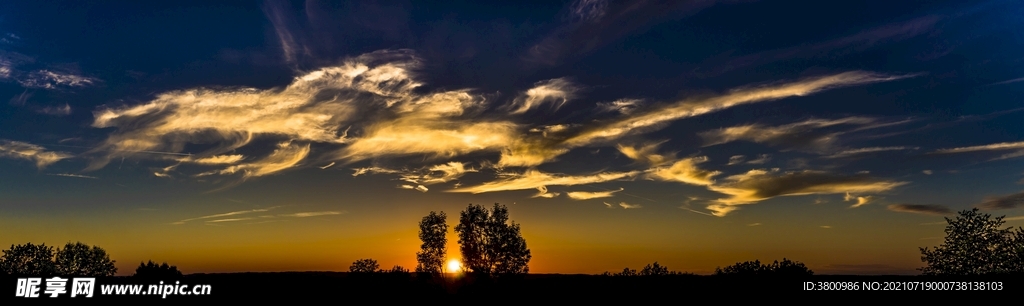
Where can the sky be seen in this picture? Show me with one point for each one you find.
(232, 136)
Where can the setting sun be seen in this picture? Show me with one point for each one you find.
(454, 266)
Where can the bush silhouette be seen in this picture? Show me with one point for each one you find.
(976, 245)
(654, 269)
(756, 268)
(153, 271)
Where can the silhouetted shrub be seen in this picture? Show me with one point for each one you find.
(151, 271)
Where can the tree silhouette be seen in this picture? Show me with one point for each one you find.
(433, 233)
(29, 260)
(489, 244)
(472, 241)
(756, 268)
(79, 260)
(364, 266)
(976, 245)
(153, 271)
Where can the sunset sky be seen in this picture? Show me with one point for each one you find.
(226, 136)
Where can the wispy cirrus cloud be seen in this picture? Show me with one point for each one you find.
(921, 209)
(312, 214)
(228, 214)
(759, 185)
(52, 79)
(74, 175)
(860, 151)
(1003, 202)
(57, 110)
(220, 218)
(533, 179)
(655, 118)
(852, 43)
(587, 195)
(38, 154)
(557, 91)
(989, 147)
(629, 206)
(807, 135)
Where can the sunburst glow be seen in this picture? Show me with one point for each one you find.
(454, 266)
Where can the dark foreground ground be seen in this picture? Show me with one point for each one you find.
(353, 288)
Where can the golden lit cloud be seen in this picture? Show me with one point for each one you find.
(921, 209)
(758, 185)
(860, 201)
(686, 171)
(557, 91)
(656, 117)
(533, 179)
(585, 195)
(27, 151)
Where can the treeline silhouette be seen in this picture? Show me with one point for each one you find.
(495, 263)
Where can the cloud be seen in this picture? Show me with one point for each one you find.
(557, 91)
(441, 173)
(826, 226)
(927, 172)
(685, 171)
(831, 48)
(646, 154)
(736, 160)
(234, 213)
(758, 185)
(292, 45)
(419, 188)
(229, 220)
(754, 224)
(373, 91)
(533, 179)
(584, 195)
(656, 117)
(286, 156)
(57, 111)
(609, 205)
(75, 175)
(921, 209)
(327, 166)
(1003, 202)
(38, 154)
(51, 79)
(988, 147)
(589, 10)
(542, 192)
(860, 201)
(807, 135)
(622, 106)
(761, 159)
(870, 150)
(629, 206)
(312, 214)
(214, 160)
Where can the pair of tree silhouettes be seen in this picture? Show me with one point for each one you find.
(489, 243)
(74, 259)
